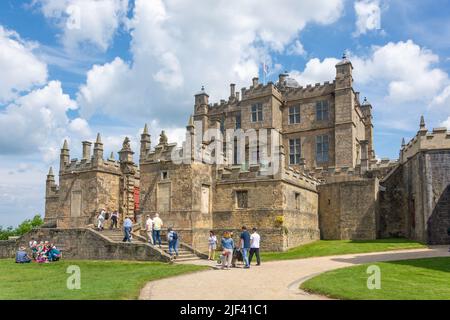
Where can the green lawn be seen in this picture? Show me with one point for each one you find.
(99, 279)
(336, 247)
(422, 279)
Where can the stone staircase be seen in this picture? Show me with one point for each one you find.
(184, 253)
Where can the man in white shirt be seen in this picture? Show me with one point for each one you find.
(157, 225)
(255, 240)
(149, 229)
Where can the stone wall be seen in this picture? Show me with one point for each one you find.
(84, 244)
(416, 199)
(348, 210)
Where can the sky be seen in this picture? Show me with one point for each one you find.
(72, 68)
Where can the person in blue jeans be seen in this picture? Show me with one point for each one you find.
(127, 227)
(172, 238)
(245, 246)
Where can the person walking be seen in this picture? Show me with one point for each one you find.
(149, 229)
(212, 245)
(255, 240)
(227, 246)
(172, 239)
(114, 218)
(101, 220)
(245, 245)
(157, 225)
(127, 228)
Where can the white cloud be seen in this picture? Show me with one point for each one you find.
(85, 21)
(446, 123)
(316, 71)
(407, 69)
(20, 69)
(179, 46)
(296, 49)
(443, 98)
(36, 122)
(368, 16)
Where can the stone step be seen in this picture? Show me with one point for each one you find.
(186, 259)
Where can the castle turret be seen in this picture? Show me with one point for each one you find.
(50, 183)
(201, 108)
(64, 158)
(366, 109)
(344, 70)
(98, 149)
(145, 143)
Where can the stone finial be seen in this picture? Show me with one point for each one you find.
(422, 122)
(50, 172)
(191, 122)
(111, 156)
(145, 129)
(65, 145)
(403, 142)
(163, 138)
(126, 144)
(99, 139)
(344, 56)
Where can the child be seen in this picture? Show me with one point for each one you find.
(212, 245)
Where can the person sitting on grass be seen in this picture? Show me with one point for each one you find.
(53, 254)
(22, 256)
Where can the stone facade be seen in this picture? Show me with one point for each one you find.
(87, 186)
(299, 165)
(415, 200)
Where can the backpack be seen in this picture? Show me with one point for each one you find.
(174, 236)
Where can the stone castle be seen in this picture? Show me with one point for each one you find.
(310, 173)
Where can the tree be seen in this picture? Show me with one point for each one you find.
(23, 228)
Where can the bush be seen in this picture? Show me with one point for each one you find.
(23, 228)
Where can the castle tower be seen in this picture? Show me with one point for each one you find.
(64, 157)
(345, 148)
(145, 143)
(98, 150)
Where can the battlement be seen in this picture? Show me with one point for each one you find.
(292, 93)
(424, 140)
(257, 172)
(78, 166)
(162, 152)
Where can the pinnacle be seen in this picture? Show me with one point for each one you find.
(191, 121)
(111, 157)
(145, 129)
(65, 145)
(50, 172)
(99, 139)
(422, 122)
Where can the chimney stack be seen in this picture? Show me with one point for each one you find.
(86, 150)
(232, 90)
(255, 82)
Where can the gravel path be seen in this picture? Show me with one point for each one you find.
(276, 280)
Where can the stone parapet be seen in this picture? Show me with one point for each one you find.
(424, 140)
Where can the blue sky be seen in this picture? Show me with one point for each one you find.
(72, 68)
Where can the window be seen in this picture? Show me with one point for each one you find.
(322, 148)
(297, 200)
(294, 151)
(222, 124)
(241, 199)
(238, 121)
(294, 114)
(321, 110)
(257, 113)
(164, 175)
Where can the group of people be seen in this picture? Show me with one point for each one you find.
(153, 230)
(248, 247)
(42, 252)
(104, 216)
